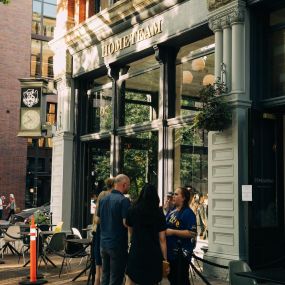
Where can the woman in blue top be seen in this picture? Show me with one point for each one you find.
(181, 231)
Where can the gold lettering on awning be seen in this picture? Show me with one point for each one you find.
(137, 36)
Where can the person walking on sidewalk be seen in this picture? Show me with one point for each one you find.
(112, 214)
(146, 222)
(2, 198)
(109, 182)
(11, 205)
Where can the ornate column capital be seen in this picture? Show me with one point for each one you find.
(237, 15)
(227, 15)
(215, 24)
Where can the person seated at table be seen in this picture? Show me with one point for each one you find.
(109, 182)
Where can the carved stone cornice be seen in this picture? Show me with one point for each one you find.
(215, 4)
(227, 15)
(119, 17)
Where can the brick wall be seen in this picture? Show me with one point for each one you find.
(15, 39)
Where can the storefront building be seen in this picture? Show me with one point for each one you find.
(128, 80)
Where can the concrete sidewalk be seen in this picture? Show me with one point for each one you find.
(11, 273)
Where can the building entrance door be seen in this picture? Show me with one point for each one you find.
(266, 211)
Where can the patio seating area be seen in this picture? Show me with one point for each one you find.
(12, 272)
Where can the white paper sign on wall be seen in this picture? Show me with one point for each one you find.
(246, 191)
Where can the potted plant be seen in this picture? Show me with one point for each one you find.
(42, 219)
(215, 114)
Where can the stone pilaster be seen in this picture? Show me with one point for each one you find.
(62, 158)
(227, 151)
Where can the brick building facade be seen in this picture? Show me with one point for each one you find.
(15, 50)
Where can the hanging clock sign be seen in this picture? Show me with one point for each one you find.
(33, 107)
(31, 97)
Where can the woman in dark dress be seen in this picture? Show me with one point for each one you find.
(147, 226)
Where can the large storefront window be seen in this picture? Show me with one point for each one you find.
(191, 159)
(194, 70)
(100, 106)
(277, 44)
(99, 164)
(191, 170)
(140, 160)
(140, 92)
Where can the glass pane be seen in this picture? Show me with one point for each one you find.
(195, 48)
(36, 58)
(191, 76)
(277, 17)
(140, 160)
(278, 63)
(100, 111)
(37, 8)
(50, 1)
(36, 27)
(49, 10)
(47, 61)
(99, 164)
(104, 4)
(191, 169)
(142, 64)
(141, 98)
(101, 81)
(48, 26)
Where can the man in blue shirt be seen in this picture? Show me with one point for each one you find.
(112, 213)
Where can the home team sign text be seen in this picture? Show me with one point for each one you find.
(132, 38)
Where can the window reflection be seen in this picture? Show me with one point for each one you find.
(277, 17)
(43, 24)
(191, 169)
(139, 94)
(36, 58)
(99, 164)
(100, 106)
(47, 61)
(278, 69)
(192, 73)
(140, 160)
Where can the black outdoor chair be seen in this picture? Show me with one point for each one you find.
(239, 266)
(72, 250)
(55, 246)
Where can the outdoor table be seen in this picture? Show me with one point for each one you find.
(91, 265)
(274, 275)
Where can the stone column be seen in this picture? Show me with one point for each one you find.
(227, 55)
(238, 50)
(62, 157)
(227, 150)
(215, 26)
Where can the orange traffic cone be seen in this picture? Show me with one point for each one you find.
(33, 257)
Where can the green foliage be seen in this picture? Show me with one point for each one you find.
(41, 218)
(215, 114)
(5, 1)
(140, 162)
(136, 113)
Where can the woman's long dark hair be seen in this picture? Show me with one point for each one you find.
(186, 195)
(147, 204)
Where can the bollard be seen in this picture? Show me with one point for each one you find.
(33, 257)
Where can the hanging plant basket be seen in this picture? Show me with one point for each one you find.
(216, 113)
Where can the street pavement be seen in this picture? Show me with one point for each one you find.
(12, 272)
